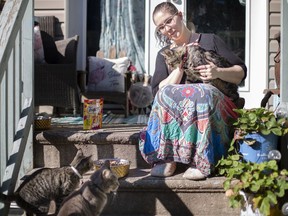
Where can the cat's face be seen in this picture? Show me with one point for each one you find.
(105, 179)
(173, 57)
(82, 163)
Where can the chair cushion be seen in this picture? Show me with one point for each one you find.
(50, 49)
(107, 74)
(38, 46)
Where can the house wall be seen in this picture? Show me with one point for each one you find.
(274, 27)
(52, 8)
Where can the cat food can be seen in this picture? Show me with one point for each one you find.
(92, 114)
(42, 123)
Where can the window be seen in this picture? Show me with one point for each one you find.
(226, 18)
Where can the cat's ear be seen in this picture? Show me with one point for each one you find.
(79, 153)
(89, 157)
(106, 174)
(106, 164)
(77, 157)
(87, 160)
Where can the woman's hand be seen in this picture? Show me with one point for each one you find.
(210, 71)
(207, 72)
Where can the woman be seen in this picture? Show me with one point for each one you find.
(188, 123)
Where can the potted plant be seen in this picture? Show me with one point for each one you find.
(259, 120)
(256, 184)
(257, 131)
(255, 187)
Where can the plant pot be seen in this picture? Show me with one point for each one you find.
(258, 152)
(248, 211)
(247, 208)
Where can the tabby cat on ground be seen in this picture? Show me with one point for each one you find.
(49, 184)
(91, 198)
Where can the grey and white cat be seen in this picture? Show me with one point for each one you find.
(49, 184)
(193, 56)
(91, 198)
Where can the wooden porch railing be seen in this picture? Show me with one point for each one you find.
(16, 93)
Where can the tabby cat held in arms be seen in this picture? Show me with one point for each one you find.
(91, 198)
(194, 56)
(46, 184)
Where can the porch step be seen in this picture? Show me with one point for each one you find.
(57, 146)
(139, 193)
(142, 194)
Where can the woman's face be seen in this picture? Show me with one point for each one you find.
(168, 24)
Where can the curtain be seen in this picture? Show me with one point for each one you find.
(123, 26)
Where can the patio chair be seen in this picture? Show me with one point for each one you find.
(56, 82)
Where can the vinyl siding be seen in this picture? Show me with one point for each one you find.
(274, 27)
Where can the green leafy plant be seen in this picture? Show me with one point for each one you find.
(264, 182)
(258, 120)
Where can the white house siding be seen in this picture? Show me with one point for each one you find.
(274, 27)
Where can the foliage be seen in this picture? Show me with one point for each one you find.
(263, 181)
(258, 120)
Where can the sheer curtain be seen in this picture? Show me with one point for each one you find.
(123, 26)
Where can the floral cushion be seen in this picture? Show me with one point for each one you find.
(38, 46)
(107, 74)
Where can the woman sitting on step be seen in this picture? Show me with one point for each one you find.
(188, 123)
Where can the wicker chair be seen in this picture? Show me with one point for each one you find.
(56, 84)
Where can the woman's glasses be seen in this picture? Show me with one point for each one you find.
(168, 21)
(277, 57)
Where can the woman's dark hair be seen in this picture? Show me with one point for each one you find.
(164, 7)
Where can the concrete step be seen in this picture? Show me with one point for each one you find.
(142, 194)
(139, 193)
(57, 146)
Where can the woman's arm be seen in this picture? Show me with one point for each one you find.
(235, 74)
(174, 78)
(162, 76)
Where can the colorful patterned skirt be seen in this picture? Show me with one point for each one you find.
(190, 124)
